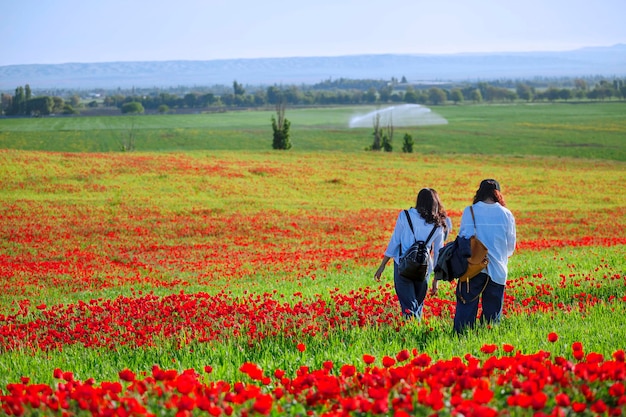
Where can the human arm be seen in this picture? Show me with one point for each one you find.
(393, 249)
(466, 228)
(381, 268)
(437, 246)
(511, 236)
(434, 286)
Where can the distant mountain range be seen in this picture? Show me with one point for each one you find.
(604, 61)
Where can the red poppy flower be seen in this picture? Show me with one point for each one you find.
(185, 384)
(539, 400)
(599, 407)
(617, 389)
(483, 396)
(388, 361)
(402, 355)
(553, 337)
(348, 370)
(127, 375)
(488, 348)
(263, 404)
(562, 400)
(301, 347)
(368, 359)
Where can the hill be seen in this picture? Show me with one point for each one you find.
(603, 61)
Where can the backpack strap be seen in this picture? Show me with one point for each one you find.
(432, 232)
(473, 218)
(406, 212)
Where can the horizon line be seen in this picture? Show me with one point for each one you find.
(325, 56)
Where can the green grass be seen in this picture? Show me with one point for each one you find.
(342, 347)
(599, 328)
(592, 130)
(495, 139)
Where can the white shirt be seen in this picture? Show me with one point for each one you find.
(402, 236)
(495, 227)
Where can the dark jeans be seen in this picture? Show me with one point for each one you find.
(480, 287)
(411, 294)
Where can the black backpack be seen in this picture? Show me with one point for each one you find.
(414, 262)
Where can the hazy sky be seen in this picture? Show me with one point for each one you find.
(60, 31)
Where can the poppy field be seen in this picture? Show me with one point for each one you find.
(241, 283)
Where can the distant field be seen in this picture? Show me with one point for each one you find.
(592, 130)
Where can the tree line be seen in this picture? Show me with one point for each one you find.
(329, 92)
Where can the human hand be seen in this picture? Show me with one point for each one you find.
(434, 287)
(379, 272)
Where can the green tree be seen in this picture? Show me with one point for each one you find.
(410, 96)
(370, 96)
(260, 98)
(274, 95)
(377, 144)
(75, 100)
(436, 96)
(238, 89)
(407, 143)
(281, 127)
(383, 137)
(6, 103)
(384, 93)
(163, 108)
(39, 106)
(388, 137)
(18, 105)
(456, 95)
(476, 96)
(580, 84)
(132, 107)
(127, 143)
(190, 100)
(68, 109)
(565, 94)
(524, 91)
(205, 100)
(552, 93)
(58, 105)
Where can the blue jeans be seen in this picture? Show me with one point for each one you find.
(480, 288)
(411, 294)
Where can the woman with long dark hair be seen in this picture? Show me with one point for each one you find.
(494, 225)
(424, 217)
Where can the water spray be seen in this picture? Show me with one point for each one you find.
(401, 116)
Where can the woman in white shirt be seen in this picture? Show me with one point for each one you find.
(495, 228)
(424, 217)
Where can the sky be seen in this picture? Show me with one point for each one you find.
(86, 31)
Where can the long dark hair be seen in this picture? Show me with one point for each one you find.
(441, 211)
(489, 189)
(427, 206)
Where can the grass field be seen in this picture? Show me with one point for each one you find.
(205, 274)
(592, 130)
